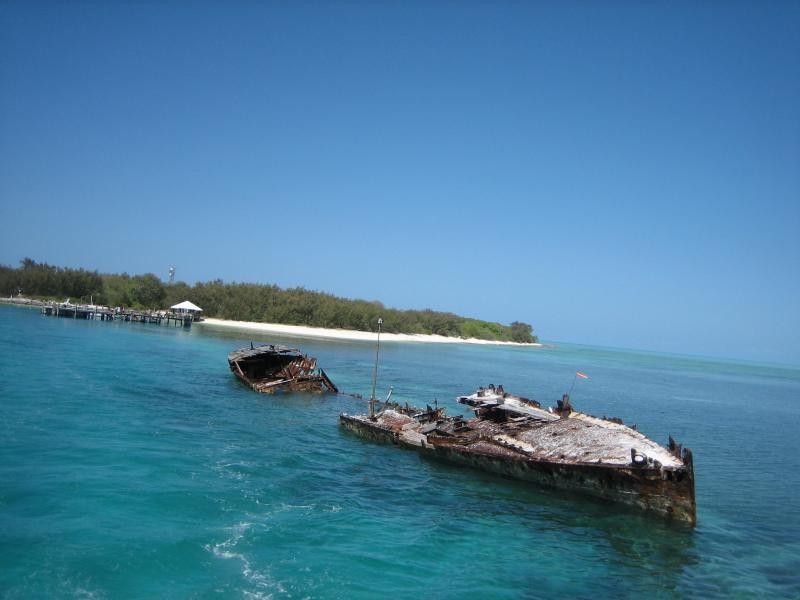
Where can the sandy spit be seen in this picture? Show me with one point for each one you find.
(346, 334)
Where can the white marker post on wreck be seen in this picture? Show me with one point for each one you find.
(375, 372)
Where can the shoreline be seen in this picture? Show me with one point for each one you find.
(348, 334)
(315, 332)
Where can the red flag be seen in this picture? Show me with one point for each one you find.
(581, 375)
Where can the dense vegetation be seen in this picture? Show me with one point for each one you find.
(245, 302)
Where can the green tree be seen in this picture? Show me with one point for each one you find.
(177, 292)
(522, 332)
(148, 291)
(248, 302)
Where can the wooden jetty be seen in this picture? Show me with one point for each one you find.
(103, 313)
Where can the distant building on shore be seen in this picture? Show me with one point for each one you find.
(187, 308)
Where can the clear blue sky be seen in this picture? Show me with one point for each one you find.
(615, 173)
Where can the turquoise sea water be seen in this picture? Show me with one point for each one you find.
(134, 465)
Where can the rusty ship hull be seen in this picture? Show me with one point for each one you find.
(270, 368)
(573, 451)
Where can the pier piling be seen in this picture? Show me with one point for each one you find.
(87, 311)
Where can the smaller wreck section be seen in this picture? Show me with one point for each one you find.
(270, 368)
(558, 447)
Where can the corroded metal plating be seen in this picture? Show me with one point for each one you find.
(559, 447)
(269, 368)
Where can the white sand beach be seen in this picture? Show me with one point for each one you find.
(346, 334)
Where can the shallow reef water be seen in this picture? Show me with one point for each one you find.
(133, 464)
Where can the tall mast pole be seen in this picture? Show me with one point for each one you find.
(574, 379)
(375, 372)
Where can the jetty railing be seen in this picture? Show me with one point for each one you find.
(104, 313)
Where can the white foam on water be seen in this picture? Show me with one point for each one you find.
(88, 594)
(226, 551)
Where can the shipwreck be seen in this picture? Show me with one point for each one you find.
(557, 447)
(270, 368)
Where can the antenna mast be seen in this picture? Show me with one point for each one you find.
(375, 372)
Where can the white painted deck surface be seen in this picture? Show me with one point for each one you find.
(583, 438)
(578, 438)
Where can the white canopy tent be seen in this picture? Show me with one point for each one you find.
(186, 307)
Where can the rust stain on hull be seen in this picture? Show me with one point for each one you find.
(270, 368)
(560, 448)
